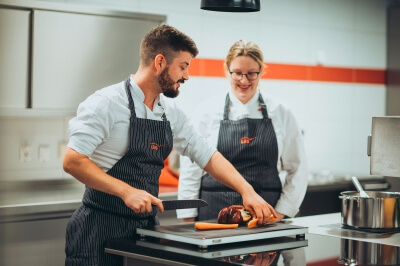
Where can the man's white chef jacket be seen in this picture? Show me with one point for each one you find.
(101, 128)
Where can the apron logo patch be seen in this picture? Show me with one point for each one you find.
(155, 146)
(246, 140)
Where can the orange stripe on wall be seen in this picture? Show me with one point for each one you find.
(214, 68)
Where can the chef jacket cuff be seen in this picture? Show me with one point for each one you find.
(286, 209)
(186, 213)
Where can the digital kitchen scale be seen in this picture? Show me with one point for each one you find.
(186, 233)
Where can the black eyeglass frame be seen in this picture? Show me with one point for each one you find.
(239, 73)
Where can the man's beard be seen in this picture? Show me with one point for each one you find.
(167, 84)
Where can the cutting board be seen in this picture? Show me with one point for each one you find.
(185, 232)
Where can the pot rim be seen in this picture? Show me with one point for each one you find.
(356, 194)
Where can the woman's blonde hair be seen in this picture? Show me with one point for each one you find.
(245, 48)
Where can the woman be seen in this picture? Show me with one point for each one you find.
(256, 133)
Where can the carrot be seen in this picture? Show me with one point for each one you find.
(253, 222)
(271, 218)
(214, 226)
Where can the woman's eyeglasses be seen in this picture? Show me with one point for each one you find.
(250, 75)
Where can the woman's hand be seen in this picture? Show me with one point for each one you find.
(279, 217)
(258, 207)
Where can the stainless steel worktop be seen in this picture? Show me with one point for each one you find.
(47, 199)
(21, 201)
(330, 225)
(324, 244)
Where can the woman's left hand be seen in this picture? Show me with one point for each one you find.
(279, 217)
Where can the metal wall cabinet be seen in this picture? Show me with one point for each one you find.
(14, 57)
(54, 55)
(76, 54)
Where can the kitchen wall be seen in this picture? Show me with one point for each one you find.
(335, 116)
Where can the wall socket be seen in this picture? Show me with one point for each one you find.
(25, 153)
(44, 153)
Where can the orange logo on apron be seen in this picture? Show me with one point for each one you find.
(155, 146)
(246, 140)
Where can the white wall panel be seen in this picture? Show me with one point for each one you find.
(370, 15)
(370, 50)
(283, 43)
(336, 45)
(332, 14)
(286, 12)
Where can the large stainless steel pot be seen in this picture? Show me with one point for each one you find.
(353, 252)
(380, 211)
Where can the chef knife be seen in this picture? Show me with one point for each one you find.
(183, 204)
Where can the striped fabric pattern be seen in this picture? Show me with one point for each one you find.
(103, 216)
(251, 146)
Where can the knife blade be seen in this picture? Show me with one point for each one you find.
(183, 204)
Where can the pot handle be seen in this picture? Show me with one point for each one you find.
(369, 145)
(348, 198)
(344, 197)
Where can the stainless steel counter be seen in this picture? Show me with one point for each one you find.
(34, 215)
(21, 201)
(324, 244)
(330, 225)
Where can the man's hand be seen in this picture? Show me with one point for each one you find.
(87, 172)
(141, 201)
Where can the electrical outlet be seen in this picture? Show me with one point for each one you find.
(25, 154)
(44, 153)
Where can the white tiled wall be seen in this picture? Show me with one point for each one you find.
(335, 117)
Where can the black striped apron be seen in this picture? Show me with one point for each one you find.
(251, 146)
(103, 216)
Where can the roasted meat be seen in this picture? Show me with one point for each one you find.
(234, 214)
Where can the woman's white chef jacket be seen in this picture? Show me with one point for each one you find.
(292, 155)
(101, 128)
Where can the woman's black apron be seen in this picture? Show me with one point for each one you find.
(251, 146)
(103, 216)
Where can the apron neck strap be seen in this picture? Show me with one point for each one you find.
(226, 108)
(128, 92)
(263, 106)
(164, 117)
(132, 104)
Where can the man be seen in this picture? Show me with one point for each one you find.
(119, 141)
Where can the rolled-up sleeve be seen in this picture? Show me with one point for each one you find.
(91, 125)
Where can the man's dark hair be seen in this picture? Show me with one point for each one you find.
(165, 40)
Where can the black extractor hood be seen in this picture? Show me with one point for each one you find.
(231, 5)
